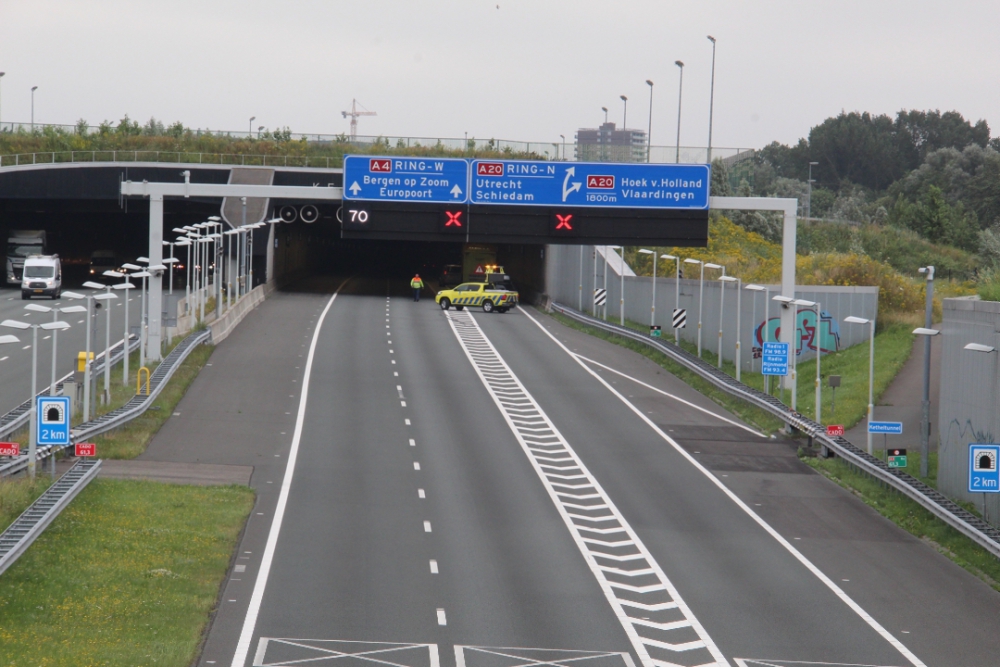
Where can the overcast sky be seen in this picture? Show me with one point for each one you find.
(526, 70)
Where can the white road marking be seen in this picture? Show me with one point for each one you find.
(829, 583)
(413, 442)
(46, 337)
(416, 466)
(395, 374)
(576, 493)
(669, 395)
(442, 620)
(434, 566)
(5, 358)
(406, 421)
(399, 387)
(28, 347)
(253, 610)
(427, 526)
(421, 494)
(393, 361)
(403, 403)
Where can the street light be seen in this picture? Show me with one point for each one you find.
(563, 137)
(625, 112)
(977, 347)
(252, 119)
(32, 433)
(38, 308)
(127, 338)
(677, 292)
(601, 135)
(809, 197)
(819, 349)
(605, 110)
(711, 101)
(33, 89)
(925, 406)
(649, 131)
(755, 289)
(1, 107)
(739, 308)
(107, 338)
(142, 315)
(722, 302)
(701, 294)
(680, 91)
(851, 319)
(652, 310)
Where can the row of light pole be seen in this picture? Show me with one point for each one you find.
(680, 94)
(33, 89)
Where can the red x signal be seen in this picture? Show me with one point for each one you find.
(562, 221)
(454, 219)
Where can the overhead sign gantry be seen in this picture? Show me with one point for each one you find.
(524, 201)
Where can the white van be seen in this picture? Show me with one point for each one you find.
(42, 276)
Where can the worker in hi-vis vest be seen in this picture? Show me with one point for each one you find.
(417, 284)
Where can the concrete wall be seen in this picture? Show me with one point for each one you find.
(969, 392)
(563, 280)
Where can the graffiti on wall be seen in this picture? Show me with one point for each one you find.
(809, 336)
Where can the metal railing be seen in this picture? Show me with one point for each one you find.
(944, 508)
(168, 157)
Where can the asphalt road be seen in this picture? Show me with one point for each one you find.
(15, 358)
(417, 529)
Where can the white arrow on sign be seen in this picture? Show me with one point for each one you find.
(355, 188)
(572, 188)
(456, 191)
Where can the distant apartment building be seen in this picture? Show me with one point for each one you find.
(608, 144)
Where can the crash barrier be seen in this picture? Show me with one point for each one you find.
(18, 417)
(222, 327)
(967, 523)
(26, 528)
(119, 416)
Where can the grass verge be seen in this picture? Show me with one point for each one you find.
(893, 345)
(17, 494)
(913, 518)
(127, 575)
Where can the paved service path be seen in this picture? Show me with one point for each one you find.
(466, 482)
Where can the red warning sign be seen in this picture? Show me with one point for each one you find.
(85, 449)
(479, 269)
(10, 449)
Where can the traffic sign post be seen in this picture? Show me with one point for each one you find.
(406, 179)
(679, 319)
(984, 472)
(654, 330)
(888, 428)
(52, 420)
(588, 184)
(774, 359)
(896, 458)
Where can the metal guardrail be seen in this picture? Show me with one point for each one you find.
(967, 523)
(26, 528)
(18, 417)
(133, 408)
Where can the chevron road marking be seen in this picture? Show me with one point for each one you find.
(670, 638)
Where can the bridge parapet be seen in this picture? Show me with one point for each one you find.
(168, 157)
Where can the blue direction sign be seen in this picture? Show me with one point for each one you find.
(406, 179)
(889, 428)
(596, 184)
(774, 359)
(984, 471)
(52, 420)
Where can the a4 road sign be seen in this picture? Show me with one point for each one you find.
(406, 179)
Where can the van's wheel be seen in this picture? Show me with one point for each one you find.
(459, 307)
(445, 303)
(487, 306)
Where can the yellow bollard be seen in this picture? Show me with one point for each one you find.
(138, 381)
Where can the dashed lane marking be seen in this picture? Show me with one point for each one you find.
(631, 580)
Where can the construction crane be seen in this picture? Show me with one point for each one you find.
(354, 113)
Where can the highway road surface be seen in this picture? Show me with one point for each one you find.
(471, 490)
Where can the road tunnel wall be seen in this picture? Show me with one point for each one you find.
(564, 284)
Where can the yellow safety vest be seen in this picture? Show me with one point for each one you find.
(417, 283)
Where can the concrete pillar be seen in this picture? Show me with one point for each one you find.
(788, 321)
(269, 277)
(155, 337)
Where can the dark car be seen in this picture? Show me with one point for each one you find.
(451, 275)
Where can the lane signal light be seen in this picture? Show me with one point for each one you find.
(563, 221)
(454, 218)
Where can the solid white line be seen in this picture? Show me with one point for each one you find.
(669, 395)
(839, 592)
(250, 622)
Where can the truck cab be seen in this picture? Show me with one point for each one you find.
(22, 243)
(42, 276)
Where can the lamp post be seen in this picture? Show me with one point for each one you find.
(91, 298)
(252, 119)
(127, 338)
(33, 89)
(680, 91)
(809, 184)
(142, 316)
(755, 289)
(819, 351)
(711, 104)
(107, 337)
(1, 100)
(624, 112)
(649, 131)
(739, 308)
(925, 406)
(722, 302)
(701, 294)
(55, 334)
(927, 333)
(604, 154)
(47, 326)
(563, 137)
(652, 308)
(851, 319)
(677, 292)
